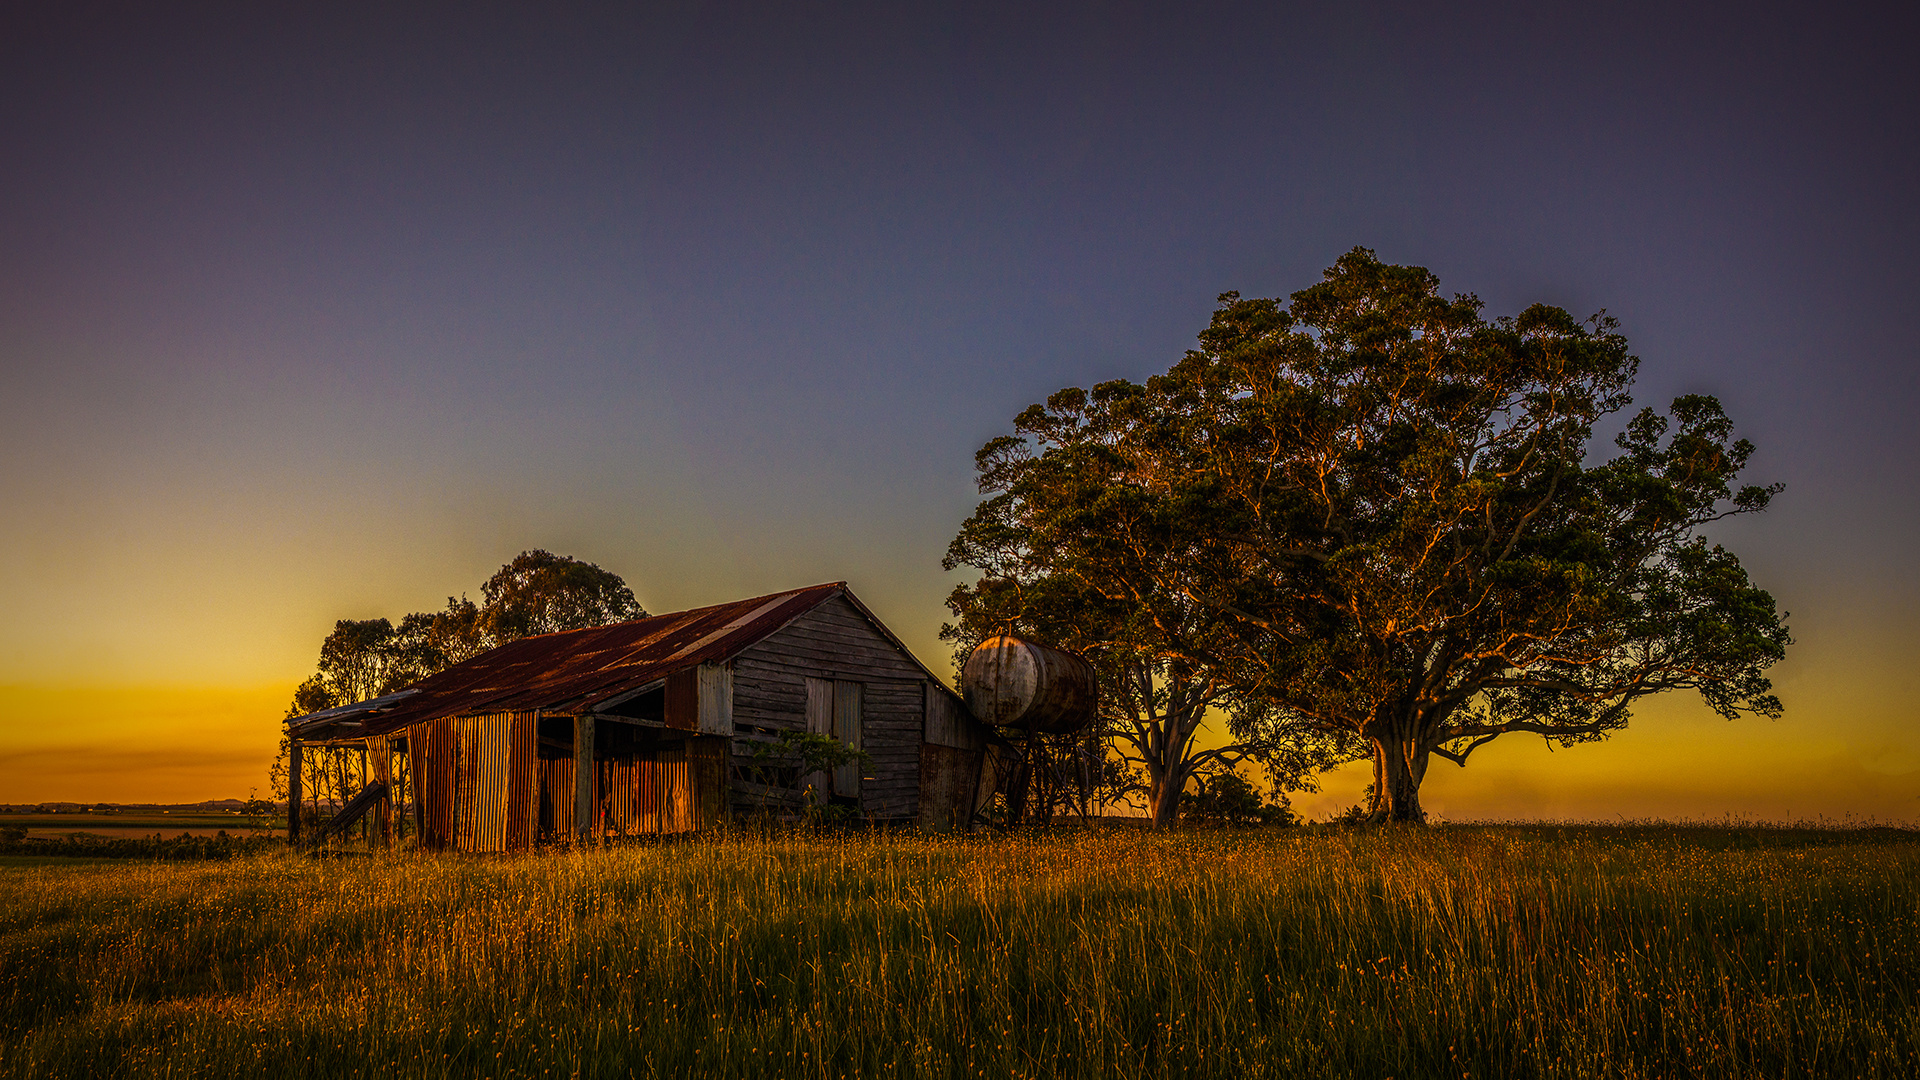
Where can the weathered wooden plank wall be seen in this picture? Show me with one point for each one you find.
(893, 734)
(950, 724)
(948, 779)
(835, 642)
(950, 763)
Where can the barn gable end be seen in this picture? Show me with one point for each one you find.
(838, 642)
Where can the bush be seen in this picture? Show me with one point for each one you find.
(15, 841)
(1232, 799)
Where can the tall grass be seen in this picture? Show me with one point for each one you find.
(1463, 951)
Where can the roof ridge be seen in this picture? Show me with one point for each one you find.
(769, 597)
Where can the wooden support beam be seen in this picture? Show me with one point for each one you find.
(583, 815)
(293, 792)
(372, 795)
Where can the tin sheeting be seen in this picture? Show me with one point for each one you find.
(523, 780)
(482, 785)
(648, 794)
(574, 670)
(431, 752)
(480, 781)
(668, 789)
(556, 796)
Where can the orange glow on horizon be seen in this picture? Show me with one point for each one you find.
(1847, 747)
(166, 744)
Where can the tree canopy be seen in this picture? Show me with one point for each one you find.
(543, 593)
(537, 593)
(1075, 551)
(1380, 523)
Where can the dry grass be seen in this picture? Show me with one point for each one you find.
(1462, 951)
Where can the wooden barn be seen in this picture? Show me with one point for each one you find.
(664, 725)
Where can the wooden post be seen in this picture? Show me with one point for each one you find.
(380, 765)
(293, 792)
(583, 779)
(366, 780)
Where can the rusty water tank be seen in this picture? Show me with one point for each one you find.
(1018, 684)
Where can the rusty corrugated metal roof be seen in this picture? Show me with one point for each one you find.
(574, 670)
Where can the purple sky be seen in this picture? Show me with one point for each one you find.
(309, 317)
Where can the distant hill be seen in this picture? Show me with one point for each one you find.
(211, 806)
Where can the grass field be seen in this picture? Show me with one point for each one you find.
(1452, 952)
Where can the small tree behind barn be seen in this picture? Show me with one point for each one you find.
(537, 592)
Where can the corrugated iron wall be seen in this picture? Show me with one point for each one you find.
(484, 787)
(496, 782)
(675, 788)
(420, 763)
(481, 783)
(556, 797)
(647, 793)
(431, 753)
(523, 782)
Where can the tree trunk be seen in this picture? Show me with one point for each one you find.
(1164, 793)
(293, 792)
(1399, 767)
(1163, 801)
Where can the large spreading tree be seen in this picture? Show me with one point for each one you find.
(1390, 528)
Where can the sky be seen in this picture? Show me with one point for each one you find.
(327, 312)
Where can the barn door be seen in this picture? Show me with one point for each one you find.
(833, 709)
(846, 728)
(819, 722)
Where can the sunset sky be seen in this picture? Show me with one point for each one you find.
(321, 316)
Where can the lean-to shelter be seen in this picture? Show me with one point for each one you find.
(666, 724)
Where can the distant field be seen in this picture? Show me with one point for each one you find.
(1460, 951)
(129, 824)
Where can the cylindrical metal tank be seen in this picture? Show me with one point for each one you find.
(1014, 683)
